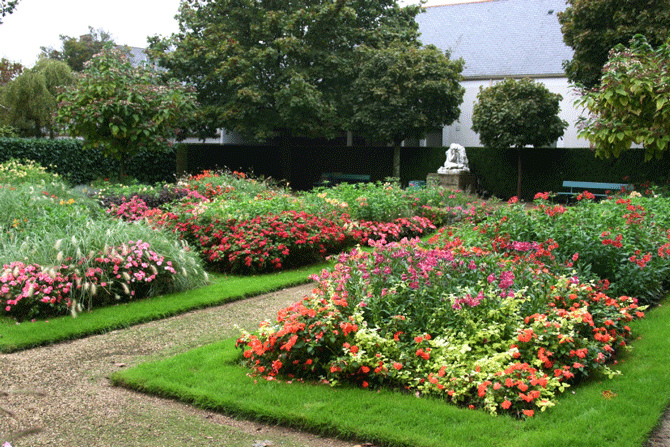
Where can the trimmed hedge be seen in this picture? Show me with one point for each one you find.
(67, 158)
(543, 169)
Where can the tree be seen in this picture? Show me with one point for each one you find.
(9, 70)
(404, 92)
(277, 68)
(593, 27)
(77, 51)
(123, 109)
(7, 7)
(30, 99)
(517, 113)
(632, 103)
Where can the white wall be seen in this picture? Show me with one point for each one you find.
(461, 132)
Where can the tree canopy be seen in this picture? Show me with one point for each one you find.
(123, 109)
(593, 27)
(75, 51)
(9, 70)
(404, 91)
(30, 100)
(632, 104)
(278, 67)
(517, 113)
(418, 87)
(7, 7)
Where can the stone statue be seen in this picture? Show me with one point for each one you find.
(456, 162)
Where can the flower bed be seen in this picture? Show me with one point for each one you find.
(503, 315)
(496, 331)
(113, 275)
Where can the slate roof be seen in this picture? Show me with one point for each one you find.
(137, 55)
(499, 38)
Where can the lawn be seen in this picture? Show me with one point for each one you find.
(621, 411)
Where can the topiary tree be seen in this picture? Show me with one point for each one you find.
(123, 109)
(517, 113)
(632, 104)
(404, 91)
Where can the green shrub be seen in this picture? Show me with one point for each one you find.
(78, 166)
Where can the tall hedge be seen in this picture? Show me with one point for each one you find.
(544, 169)
(67, 158)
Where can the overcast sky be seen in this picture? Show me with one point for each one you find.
(37, 23)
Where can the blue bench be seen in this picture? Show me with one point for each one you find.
(603, 188)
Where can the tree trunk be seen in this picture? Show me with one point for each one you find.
(396, 160)
(122, 170)
(518, 169)
(285, 155)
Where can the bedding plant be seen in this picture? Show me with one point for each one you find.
(245, 225)
(502, 316)
(60, 253)
(74, 249)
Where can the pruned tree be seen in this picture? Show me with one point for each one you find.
(404, 91)
(517, 113)
(280, 68)
(30, 100)
(632, 103)
(593, 27)
(76, 51)
(123, 109)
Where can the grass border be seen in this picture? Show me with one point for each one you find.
(209, 377)
(223, 289)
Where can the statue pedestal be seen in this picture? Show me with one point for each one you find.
(463, 181)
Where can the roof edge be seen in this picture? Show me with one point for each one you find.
(515, 76)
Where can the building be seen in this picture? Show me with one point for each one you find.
(500, 39)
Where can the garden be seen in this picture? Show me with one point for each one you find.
(486, 314)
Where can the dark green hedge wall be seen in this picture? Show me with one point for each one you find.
(543, 169)
(546, 169)
(78, 166)
(307, 162)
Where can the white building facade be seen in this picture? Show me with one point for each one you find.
(501, 39)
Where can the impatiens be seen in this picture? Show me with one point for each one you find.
(116, 273)
(496, 331)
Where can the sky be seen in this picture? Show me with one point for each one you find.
(37, 23)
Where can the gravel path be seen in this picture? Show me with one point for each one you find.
(80, 408)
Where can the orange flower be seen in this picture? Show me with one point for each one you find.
(397, 365)
(506, 404)
(529, 413)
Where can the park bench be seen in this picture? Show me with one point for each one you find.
(333, 178)
(598, 189)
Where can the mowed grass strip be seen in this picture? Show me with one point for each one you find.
(621, 412)
(223, 289)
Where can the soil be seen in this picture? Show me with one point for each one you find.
(77, 406)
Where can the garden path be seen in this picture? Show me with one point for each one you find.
(80, 407)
